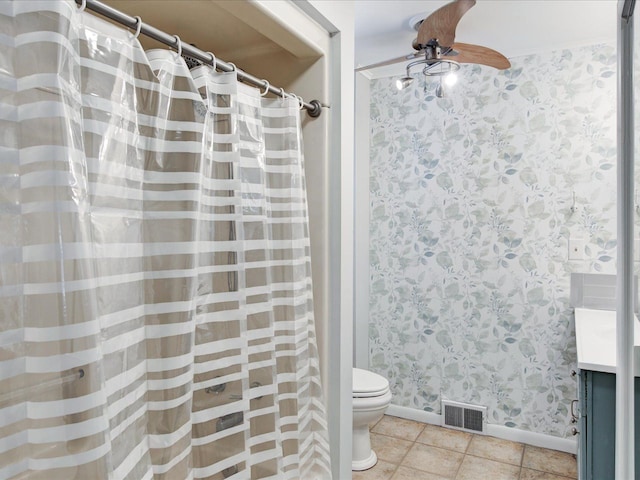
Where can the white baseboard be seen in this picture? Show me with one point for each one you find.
(569, 445)
(414, 414)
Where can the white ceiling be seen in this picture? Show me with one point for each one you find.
(513, 27)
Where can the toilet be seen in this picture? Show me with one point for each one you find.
(371, 397)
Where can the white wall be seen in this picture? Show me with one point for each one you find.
(338, 18)
(362, 136)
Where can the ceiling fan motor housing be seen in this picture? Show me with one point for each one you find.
(431, 45)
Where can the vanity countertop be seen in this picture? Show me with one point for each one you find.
(596, 340)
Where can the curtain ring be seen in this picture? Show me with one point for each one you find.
(300, 101)
(266, 87)
(214, 61)
(82, 6)
(179, 46)
(282, 94)
(138, 26)
(233, 65)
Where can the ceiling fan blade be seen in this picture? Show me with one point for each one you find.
(441, 24)
(467, 53)
(410, 56)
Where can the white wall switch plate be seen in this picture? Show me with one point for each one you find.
(576, 248)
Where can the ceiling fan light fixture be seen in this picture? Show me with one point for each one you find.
(404, 82)
(451, 79)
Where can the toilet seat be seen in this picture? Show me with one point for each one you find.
(368, 384)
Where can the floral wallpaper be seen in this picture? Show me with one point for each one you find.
(471, 200)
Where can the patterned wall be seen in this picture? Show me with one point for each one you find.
(470, 220)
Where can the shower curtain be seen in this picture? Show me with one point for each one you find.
(156, 315)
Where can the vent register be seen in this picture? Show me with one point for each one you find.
(463, 416)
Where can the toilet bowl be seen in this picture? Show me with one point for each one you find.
(371, 397)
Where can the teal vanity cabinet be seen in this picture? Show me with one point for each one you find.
(596, 349)
(597, 425)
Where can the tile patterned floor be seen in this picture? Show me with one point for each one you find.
(410, 450)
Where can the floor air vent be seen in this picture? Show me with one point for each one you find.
(463, 416)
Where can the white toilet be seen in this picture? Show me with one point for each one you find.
(371, 397)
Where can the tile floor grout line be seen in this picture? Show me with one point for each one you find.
(524, 447)
(405, 455)
(451, 449)
(466, 449)
(394, 470)
(464, 455)
(399, 464)
(408, 450)
(498, 461)
(563, 477)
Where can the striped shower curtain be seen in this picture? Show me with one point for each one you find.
(156, 316)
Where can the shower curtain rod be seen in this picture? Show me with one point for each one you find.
(314, 107)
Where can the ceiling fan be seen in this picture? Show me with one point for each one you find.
(437, 50)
